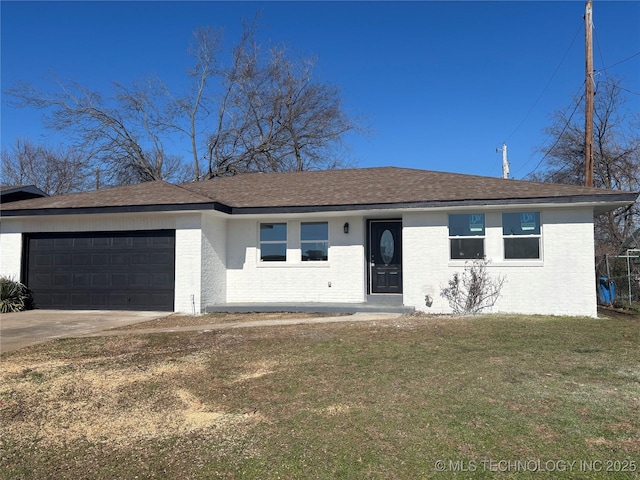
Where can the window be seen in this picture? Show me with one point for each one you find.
(521, 232)
(273, 242)
(314, 241)
(466, 235)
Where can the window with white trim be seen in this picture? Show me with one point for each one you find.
(466, 235)
(314, 241)
(521, 234)
(273, 242)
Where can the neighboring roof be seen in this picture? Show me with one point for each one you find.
(13, 193)
(353, 189)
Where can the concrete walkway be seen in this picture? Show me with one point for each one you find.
(356, 317)
(19, 330)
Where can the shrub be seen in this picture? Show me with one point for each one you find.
(14, 296)
(474, 289)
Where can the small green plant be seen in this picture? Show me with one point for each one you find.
(14, 296)
(474, 289)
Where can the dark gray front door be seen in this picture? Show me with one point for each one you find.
(385, 256)
(102, 270)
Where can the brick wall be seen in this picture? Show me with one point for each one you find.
(340, 279)
(561, 283)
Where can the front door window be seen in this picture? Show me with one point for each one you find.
(387, 247)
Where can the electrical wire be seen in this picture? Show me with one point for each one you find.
(575, 108)
(547, 84)
(559, 136)
(621, 61)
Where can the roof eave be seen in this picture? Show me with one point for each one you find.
(117, 209)
(601, 204)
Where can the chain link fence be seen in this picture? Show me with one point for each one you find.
(619, 278)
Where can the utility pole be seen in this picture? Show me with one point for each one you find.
(505, 164)
(588, 117)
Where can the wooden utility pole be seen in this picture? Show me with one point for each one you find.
(588, 117)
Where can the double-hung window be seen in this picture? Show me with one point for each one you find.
(314, 241)
(521, 234)
(273, 242)
(466, 235)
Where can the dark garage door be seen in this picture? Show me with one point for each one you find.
(102, 270)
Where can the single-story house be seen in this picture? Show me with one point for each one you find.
(341, 237)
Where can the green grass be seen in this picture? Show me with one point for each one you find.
(349, 400)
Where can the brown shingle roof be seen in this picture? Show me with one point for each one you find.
(354, 187)
(149, 193)
(366, 186)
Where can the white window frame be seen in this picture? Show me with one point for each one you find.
(273, 242)
(517, 236)
(482, 237)
(313, 241)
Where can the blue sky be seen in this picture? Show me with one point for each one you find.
(441, 84)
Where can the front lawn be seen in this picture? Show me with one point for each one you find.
(415, 397)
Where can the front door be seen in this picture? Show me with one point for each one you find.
(385, 256)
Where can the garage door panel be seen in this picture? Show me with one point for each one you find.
(82, 242)
(121, 242)
(139, 259)
(62, 259)
(101, 280)
(62, 279)
(160, 259)
(100, 300)
(119, 259)
(164, 300)
(80, 259)
(101, 242)
(59, 300)
(159, 279)
(44, 260)
(80, 300)
(81, 279)
(42, 280)
(102, 270)
(139, 280)
(120, 279)
(99, 259)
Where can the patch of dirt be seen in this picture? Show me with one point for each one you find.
(613, 312)
(55, 403)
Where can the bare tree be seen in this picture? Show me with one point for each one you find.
(55, 171)
(260, 112)
(616, 159)
(276, 117)
(122, 133)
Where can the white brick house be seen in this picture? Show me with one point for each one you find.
(341, 237)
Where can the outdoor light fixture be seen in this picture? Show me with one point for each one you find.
(346, 227)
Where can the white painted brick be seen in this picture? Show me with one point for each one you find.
(188, 264)
(249, 280)
(217, 259)
(214, 260)
(562, 283)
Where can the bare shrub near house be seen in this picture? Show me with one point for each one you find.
(474, 289)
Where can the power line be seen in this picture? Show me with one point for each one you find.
(547, 84)
(533, 154)
(621, 61)
(564, 129)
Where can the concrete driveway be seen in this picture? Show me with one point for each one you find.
(18, 330)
